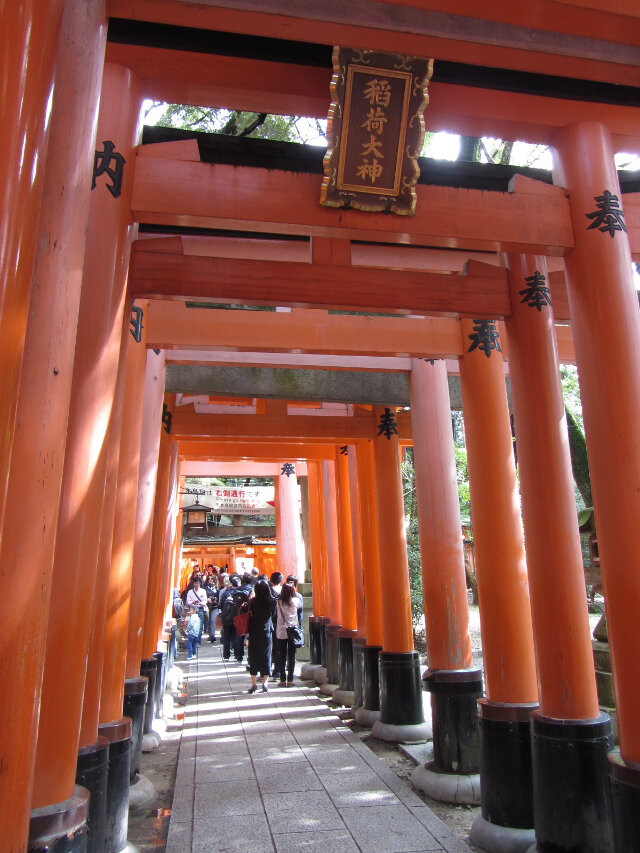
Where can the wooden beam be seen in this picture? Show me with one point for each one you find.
(317, 285)
(216, 81)
(172, 324)
(249, 468)
(185, 193)
(424, 31)
(274, 451)
(338, 430)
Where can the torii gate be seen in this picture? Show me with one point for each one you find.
(102, 462)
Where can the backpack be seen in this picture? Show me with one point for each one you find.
(231, 607)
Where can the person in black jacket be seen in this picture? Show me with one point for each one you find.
(261, 609)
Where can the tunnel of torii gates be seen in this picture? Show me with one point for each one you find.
(102, 334)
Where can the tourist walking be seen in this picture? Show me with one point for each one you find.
(288, 609)
(261, 608)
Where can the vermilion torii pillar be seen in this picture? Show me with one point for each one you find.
(95, 370)
(606, 331)
(511, 689)
(401, 712)
(316, 523)
(333, 576)
(42, 407)
(369, 713)
(453, 684)
(360, 639)
(28, 47)
(344, 692)
(288, 529)
(570, 737)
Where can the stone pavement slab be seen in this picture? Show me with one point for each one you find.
(280, 772)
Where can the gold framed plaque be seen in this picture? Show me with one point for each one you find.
(375, 130)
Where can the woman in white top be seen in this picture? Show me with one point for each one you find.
(287, 609)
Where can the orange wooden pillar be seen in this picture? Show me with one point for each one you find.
(26, 560)
(344, 692)
(568, 723)
(151, 623)
(450, 679)
(334, 596)
(603, 304)
(28, 46)
(119, 585)
(97, 350)
(288, 530)
(401, 713)
(360, 638)
(503, 592)
(316, 519)
(147, 479)
(369, 713)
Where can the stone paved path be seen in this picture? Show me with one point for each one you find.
(281, 772)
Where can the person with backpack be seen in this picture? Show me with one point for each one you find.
(231, 600)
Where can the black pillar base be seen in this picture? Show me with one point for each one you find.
(91, 773)
(454, 695)
(171, 648)
(400, 693)
(345, 659)
(571, 790)
(506, 775)
(359, 644)
(61, 827)
(315, 653)
(135, 701)
(149, 669)
(625, 794)
(331, 640)
(161, 667)
(371, 677)
(323, 640)
(118, 734)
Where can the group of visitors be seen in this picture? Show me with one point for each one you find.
(275, 620)
(275, 623)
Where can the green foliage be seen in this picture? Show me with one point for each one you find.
(237, 122)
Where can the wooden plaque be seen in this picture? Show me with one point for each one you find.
(375, 130)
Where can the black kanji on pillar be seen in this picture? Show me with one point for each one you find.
(485, 337)
(166, 419)
(102, 161)
(136, 323)
(388, 424)
(344, 450)
(609, 216)
(288, 469)
(536, 294)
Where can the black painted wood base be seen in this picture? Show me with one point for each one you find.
(149, 669)
(171, 648)
(91, 773)
(571, 788)
(61, 827)
(345, 659)
(133, 706)
(324, 621)
(358, 667)
(331, 641)
(371, 678)
(161, 667)
(117, 818)
(400, 690)
(625, 794)
(315, 648)
(454, 695)
(505, 763)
